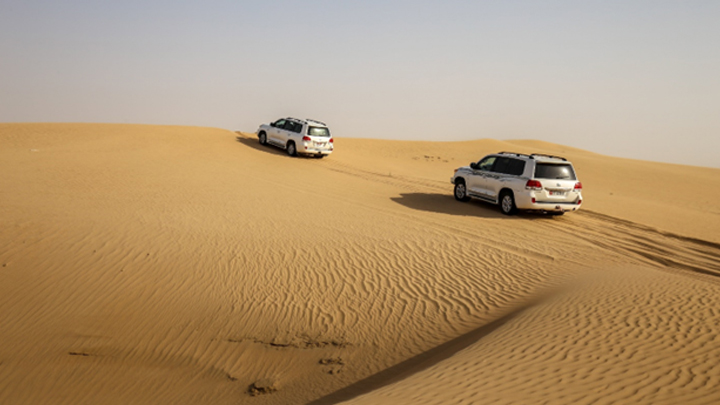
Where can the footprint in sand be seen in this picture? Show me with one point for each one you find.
(334, 365)
(262, 387)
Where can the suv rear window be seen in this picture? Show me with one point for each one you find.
(318, 131)
(554, 171)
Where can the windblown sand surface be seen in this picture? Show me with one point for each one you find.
(176, 265)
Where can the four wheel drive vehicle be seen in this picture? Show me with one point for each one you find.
(307, 137)
(521, 182)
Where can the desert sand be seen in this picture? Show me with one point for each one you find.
(184, 265)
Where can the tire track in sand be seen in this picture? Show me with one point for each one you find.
(644, 244)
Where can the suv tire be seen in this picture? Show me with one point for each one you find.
(262, 137)
(291, 150)
(461, 191)
(507, 203)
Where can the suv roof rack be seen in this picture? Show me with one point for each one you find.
(516, 154)
(306, 120)
(550, 156)
(316, 121)
(532, 156)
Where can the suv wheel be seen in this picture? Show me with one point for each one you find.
(507, 203)
(291, 149)
(461, 191)
(263, 138)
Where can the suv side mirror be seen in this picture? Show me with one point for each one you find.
(272, 124)
(473, 166)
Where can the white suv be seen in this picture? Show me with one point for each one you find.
(307, 137)
(521, 182)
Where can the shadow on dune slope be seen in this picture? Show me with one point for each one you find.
(420, 362)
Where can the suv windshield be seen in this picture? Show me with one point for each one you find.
(554, 171)
(318, 131)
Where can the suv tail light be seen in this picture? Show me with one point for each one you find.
(533, 185)
(331, 140)
(578, 186)
(306, 138)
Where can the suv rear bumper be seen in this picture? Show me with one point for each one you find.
(314, 151)
(524, 202)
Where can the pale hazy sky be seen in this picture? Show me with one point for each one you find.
(627, 78)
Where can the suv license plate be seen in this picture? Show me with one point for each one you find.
(556, 192)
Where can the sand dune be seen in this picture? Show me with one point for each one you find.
(149, 264)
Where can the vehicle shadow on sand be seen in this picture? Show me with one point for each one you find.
(446, 204)
(255, 144)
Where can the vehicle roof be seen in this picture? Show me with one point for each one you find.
(307, 121)
(540, 157)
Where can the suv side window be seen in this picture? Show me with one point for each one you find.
(278, 124)
(501, 165)
(289, 126)
(486, 164)
(516, 167)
